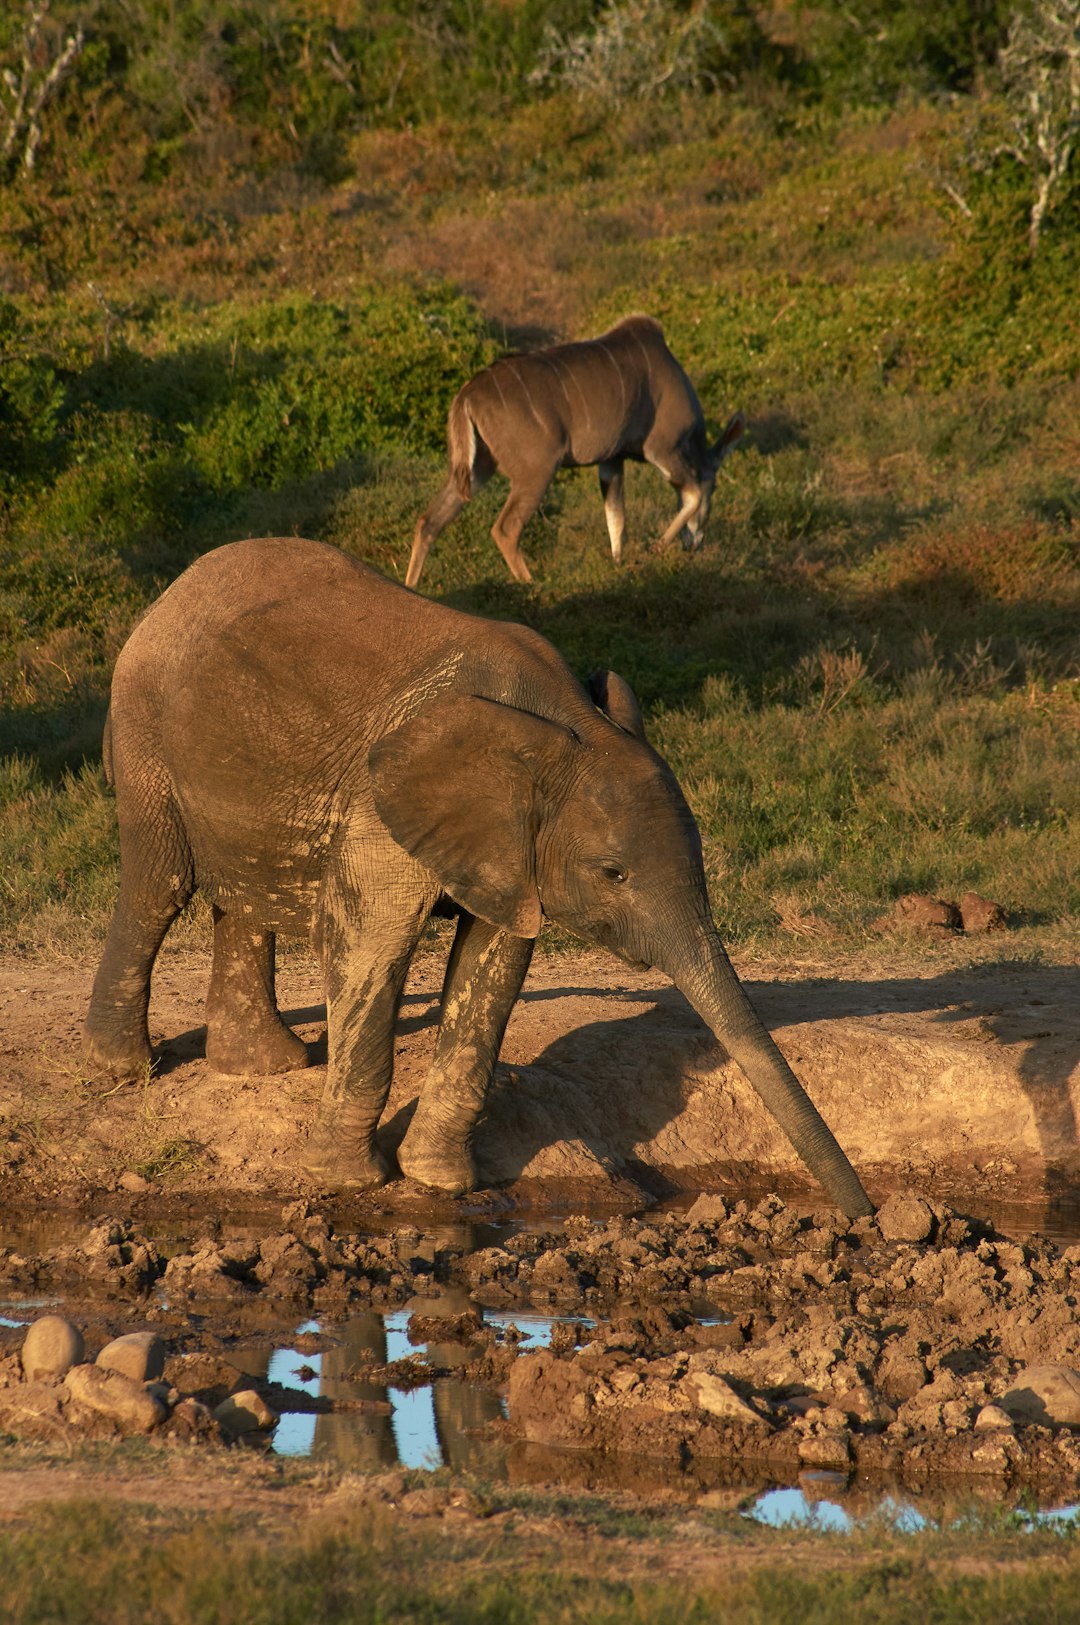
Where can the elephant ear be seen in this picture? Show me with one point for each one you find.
(456, 785)
(613, 695)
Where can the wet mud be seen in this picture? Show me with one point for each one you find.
(709, 1354)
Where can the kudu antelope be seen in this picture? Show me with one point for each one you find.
(596, 402)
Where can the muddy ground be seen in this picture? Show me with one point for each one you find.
(703, 1350)
(959, 1079)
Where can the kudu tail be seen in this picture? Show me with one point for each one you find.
(462, 441)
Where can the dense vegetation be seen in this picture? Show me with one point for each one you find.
(260, 243)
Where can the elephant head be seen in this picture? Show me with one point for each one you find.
(520, 817)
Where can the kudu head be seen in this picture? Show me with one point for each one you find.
(698, 518)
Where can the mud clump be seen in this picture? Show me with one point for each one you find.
(920, 1342)
(918, 911)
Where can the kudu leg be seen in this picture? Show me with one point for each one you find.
(611, 489)
(435, 518)
(517, 510)
(689, 500)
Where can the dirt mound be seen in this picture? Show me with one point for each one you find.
(964, 1082)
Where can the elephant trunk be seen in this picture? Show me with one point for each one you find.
(716, 994)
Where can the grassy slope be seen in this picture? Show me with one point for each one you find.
(868, 681)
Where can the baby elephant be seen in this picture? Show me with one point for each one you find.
(601, 401)
(320, 751)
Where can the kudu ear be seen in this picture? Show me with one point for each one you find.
(457, 787)
(728, 440)
(613, 695)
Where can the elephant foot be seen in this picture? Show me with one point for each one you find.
(238, 1053)
(441, 1168)
(126, 1059)
(334, 1165)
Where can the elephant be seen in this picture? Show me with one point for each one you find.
(320, 750)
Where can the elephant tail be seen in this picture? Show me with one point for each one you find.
(106, 752)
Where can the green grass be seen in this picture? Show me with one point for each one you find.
(88, 1563)
(869, 681)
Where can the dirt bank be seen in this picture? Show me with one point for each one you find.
(961, 1081)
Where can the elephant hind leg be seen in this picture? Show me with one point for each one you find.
(156, 880)
(244, 1031)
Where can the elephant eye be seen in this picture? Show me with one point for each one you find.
(612, 872)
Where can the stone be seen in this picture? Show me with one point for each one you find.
(715, 1395)
(192, 1419)
(708, 1208)
(1049, 1394)
(980, 914)
(131, 1181)
(116, 1396)
(919, 911)
(139, 1355)
(906, 1217)
(831, 1448)
(245, 1412)
(991, 1417)
(50, 1348)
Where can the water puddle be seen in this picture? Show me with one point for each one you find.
(434, 1423)
(808, 1505)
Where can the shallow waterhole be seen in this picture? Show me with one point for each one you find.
(431, 1419)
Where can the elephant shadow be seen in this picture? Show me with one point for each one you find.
(190, 1045)
(609, 1087)
(614, 1085)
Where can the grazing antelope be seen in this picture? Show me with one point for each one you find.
(596, 402)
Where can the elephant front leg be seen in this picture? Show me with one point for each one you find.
(483, 979)
(364, 984)
(244, 1032)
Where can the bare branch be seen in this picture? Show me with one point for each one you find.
(30, 90)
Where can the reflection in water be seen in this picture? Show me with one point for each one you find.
(804, 1506)
(441, 1424)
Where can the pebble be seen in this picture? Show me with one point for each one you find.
(51, 1347)
(139, 1355)
(245, 1412)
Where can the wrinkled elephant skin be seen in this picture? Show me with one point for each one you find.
(318, 750)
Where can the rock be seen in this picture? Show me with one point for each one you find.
(245, 1412)
(50, 1349)
(905, 1217)
(708, 1207)
(191, 1419)
(139, 1355)
(992, 1416)
(980, 914)
(116, 1396)
(131, 1181)
(919, 911)
(828, 1449)
(1049, 1394)
(901, 1375)
(715, 1395)
(862, 1406)
(33, 1410)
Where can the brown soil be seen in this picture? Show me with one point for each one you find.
(878, 1350)
(961, 1081)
